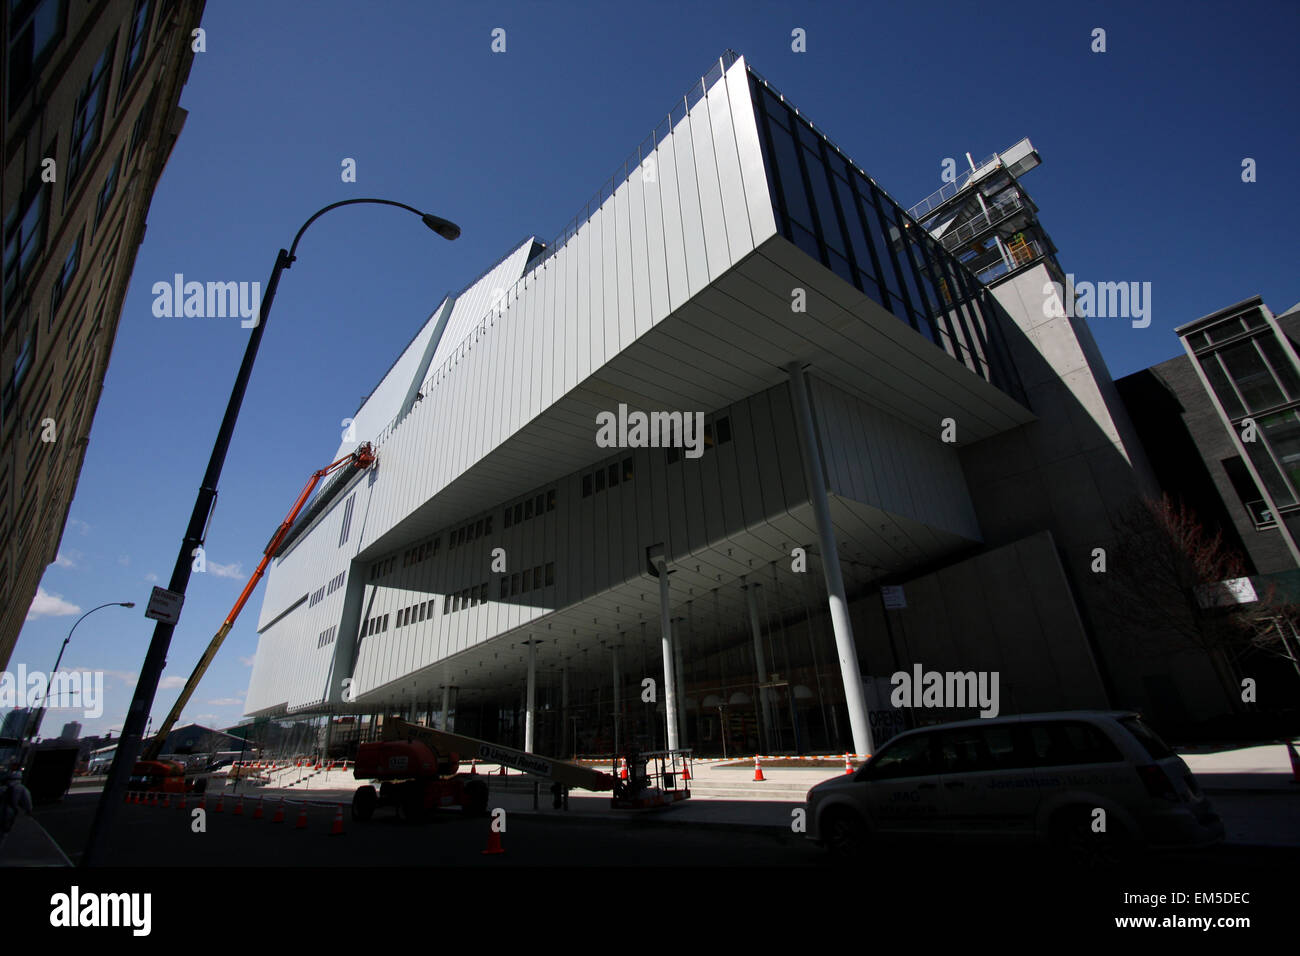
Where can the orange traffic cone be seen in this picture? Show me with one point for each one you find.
(221, 803)
(473, 768)
(1295, 762)
(302, 819)
(279, 813)
(257, 814)
(848, 764)
(686, 771)
(494, 843)
(758, 770)
(337, 828)
(239, 808)
(622, 769)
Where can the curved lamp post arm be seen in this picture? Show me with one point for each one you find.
(146, 687)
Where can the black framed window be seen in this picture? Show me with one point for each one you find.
(64, 279)
(135, 43)
(36, 27)
(88, 117)
(24, 235)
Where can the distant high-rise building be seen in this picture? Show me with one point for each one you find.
(71, 731)
(90, 115)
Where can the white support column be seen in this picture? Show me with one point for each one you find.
(854, 698)
(530, 714)
(666, 636)
(760, 664)
(618, 679)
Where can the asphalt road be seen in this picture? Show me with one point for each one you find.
(157, 837)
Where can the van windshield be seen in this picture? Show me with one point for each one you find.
(1148, 738)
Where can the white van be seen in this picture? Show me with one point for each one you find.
(1093, 783)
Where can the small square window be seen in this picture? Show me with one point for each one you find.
(487, 525)
(613, 475)
(528, 580)
(446, 604)
(550, 500)
(422, 606)
(528, 509)
(600, 479)
(505, 585)
(519, 513)
(586, 486)
(514, 584)
(537, 576)
(550, 573)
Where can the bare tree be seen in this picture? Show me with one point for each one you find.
(1166, 567)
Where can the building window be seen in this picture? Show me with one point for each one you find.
(613, 471)
(106, 192)
(36, 28)
(138, 132)
(528, 509)
(64, 278)
(550, 500)
(550, 574)
(22, 363)
(24, 231)
(135, 43)
(88, 118)
(507, 517)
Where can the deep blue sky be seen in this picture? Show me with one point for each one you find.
(1142, 149)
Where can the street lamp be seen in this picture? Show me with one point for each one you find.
(40, 714)
(147, 686)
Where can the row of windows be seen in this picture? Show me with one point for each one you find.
(606, 477)
(415, 613)
(840, 218)
(469, 597)
(326, 637)
(382, 568)
(471, 531)
(420, 552)
(715, 433)
(375, 625)
(999, 747)
(336, 582)
(316, 596)
(530, 579)
(529, 508)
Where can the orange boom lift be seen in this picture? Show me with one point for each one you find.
(360, 460)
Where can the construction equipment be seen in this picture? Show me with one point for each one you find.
(360, 460)
(416, 768)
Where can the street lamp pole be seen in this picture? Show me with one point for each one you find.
(39, 716)
(128, 748)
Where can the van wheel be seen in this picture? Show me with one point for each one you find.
(844, 834)
(1074, 841)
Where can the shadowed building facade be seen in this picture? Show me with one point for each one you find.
(873, 414)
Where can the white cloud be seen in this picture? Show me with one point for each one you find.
(226, 701)
(151, 578)
(234, 570)
(246, 661)
(80, 525)
(63, 561)
(50, 605)
(168, 683)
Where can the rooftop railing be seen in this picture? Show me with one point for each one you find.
(948, 190)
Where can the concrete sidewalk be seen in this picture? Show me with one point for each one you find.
(29, 845)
